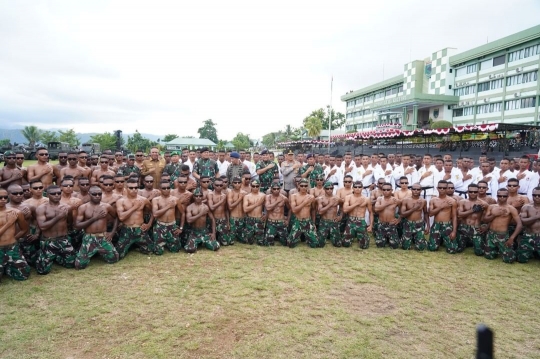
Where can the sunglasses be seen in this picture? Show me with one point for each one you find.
(54, 193)
(165, 188)
(20, 158)
(205, 181)
(108, 184)
(17, 193)
(303, 185)
(197, 195)
(218, 185)
(386, 190)
(534, 195)
(62, 157)
(120, 181)
(319, 179)
(38, 188)
(255, 186)
(182, 182)
(358, 186)
(416, 189)
(105, 162)
(501, 196)
(26, 190)
(330, 188)
(442, 187)
(472, 191)
(131, 187)
(403, 182)
(237, 182)
(96, 194)
(275, 189)
(347, 181)
(83, 157)
(4, 197)
(138, 155)
(84, 184)
(43, 154)
(67, 185)
(247, 179)
(510, 185)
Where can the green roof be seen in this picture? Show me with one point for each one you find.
(183, 141)
(497, 45)
(379, 85)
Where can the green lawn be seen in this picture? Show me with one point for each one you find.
(253, 302)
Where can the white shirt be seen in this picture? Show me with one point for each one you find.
(399, 172)
(252, 169)
(337, 177)
(222, 166)
(535, 179)
(493, 182)
(358, 175)
(508, 174)
(428, 181)
(353, 165)
(456, 177)
(380, 173)
(437, 176)
(527, 183)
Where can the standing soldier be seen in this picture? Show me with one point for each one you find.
(311, 170)
(356, 206)
(289, 169)
(10, 173)
(415, 219)
(255, 217)
(444, 226)
(205, 166)
(42, 171)
(235, 200)
(129, 168)
(235, 168)
(386, 206)
(217, 202)
(266, 170)
(328, 209)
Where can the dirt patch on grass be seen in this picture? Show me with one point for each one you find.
(364, 298)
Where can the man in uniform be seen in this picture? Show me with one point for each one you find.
(92, 219)
(530, 216)
(13, 227)
(356, 205)
(205, 166)
(42, 171)
(482, 193)
(328, 209)
(276, 224)
(235, 203)
(255, 215)
(52, 218)
(153, 166)
(29, 243)
(498, 239)
(404, 190)
(166, 231)
(415, 220)
(217, 202)
(129, 168)
(470, 213)
(289, 169)
(235, 168)
(311, 170)
(198, 215)
(386, 206)
(303, 223)
(67, 191)
(341, 194)
(444, 227)
(266, 170)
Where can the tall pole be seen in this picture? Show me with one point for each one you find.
(330, 114)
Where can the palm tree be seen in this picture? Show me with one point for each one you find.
(313, 126)
(32, 134)
(288, 133)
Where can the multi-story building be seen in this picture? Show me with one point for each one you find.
(495, 82)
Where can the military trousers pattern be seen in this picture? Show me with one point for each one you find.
(413, 233)
(90, 246)
(495, 244)
(59, 250)
(13, 263)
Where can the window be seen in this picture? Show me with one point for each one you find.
(400, 88)
(394, 90)
(499, 60)
(524, 53)
(528, 102)
(369, 98)
(388, 92)
(472, 68)
(467, 90)
(522, 78)
(495, 84)
(458, 112)
(379, 95)
(484, 86)
(468, 111)
(488, 108)
(520, 103)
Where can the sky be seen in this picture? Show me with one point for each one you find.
(165, 67)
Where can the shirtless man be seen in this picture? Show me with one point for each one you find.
(444, 226)
(67, 190)
(415, 219)
(92, 220)
(514, 198)
(255, 219)
(102, 170)
(246, 182)
(29, 244)
(217, 202)
(482, 193)
(37, 199)
(119, 185)
(277, 223)
(42, 170)
(386, 206)
(470, 212)
(341, 194)
(10, 173)
(205, 184)
(356, 206)
(166, 231)
(304, 218)
(26, 191)
(84, 187)
(13, 226)
(235, 203)
(83, 160)
(404, 190)
(530, 217)
(19, 158)
(72, 169)
(328, 209)
(450, 192)
(134, 230)
(197, 215)
(373, 196)
(149, 191)
(498, 240)
(107, 184)
(62, 163)
(52, 218)
(318, 190)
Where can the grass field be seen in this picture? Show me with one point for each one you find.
(253, 302)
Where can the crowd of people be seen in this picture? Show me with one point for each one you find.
(109, 204)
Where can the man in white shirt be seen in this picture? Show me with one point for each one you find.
(527, 179)
(250, 165)
(405, 169)
(489, 177)
(451, 173)
(505, 173)
(474, 171)
(348, 166)
(492, 168)
(221, 162)
(384, 170)
(334, 174)
(364, 173)
(427, 177)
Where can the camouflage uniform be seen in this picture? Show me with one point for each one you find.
(441, 231)
(413, 232)
(266, 177)
(329, 229)
(356, 228)
(173, 170)
(529, 243)
(255, 231)
(12, 262)
(237, 226)
(466, 233)
(343, 223)
(57, 249)
(200, 236)
(128, 236)
(387, 231)
(125, 170)
(223, 232)
(164, 237)
(206, 167)
(30, 250)
(276, 228)
(495, 243)
(305, 227)
(235, 171)
(92, 244)
(75, 236)
(317, 171)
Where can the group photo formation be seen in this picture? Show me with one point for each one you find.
(182, 201)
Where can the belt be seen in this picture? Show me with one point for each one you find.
(335, 184)
(100, 234)
(488, 194)
(424, 189)
(43, 238)
(356, 218)
(462, 193)
(166, 223)
(133, 226)
(276, 220)
(523, 194)
(7, 246)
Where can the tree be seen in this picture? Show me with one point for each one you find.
(107, 141)
(221, 145)
(313, 125)
(49, 136)
(208, 131)
(270, 139)
(32, 134)
(169, 137)
(241, 141)
(138, 142)
(338, 119)
(5, 142)
(70, 137)
(441, 124)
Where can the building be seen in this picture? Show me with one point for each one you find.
(495, 82)
(187, 142)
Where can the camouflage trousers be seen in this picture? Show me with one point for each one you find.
(199, 236)
(59, 250)
(12, 262)
(128, 236)
(329, 229)
(93, 244)
(413, 232)
(75, 236)
(529, 243)
(376, 222)
(343, 223)
(237, 229)
(440, 231)
(276, 228)
(356, 228)
(255, 231)
(387, 231)
(495, 243)
(164, 237)
(467, 233)
(223, 232)
(29, 249)
(307, 228)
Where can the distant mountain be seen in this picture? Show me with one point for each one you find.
(15, 135)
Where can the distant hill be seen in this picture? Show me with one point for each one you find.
(15, 135)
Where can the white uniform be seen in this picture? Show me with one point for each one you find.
(367, 180)
(380, 173)
(464, 186)
(399, 172)
(493, 183)
(437, 176)
(252, 169)
(508, 174)
(336, 178)
(222, 166)
(527, 183)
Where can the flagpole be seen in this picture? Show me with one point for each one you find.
(330, 115)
